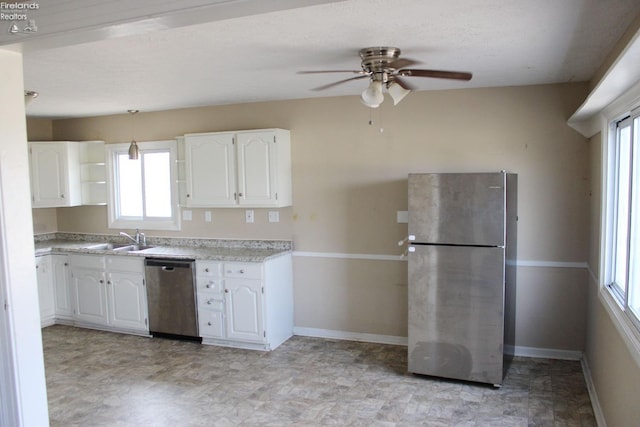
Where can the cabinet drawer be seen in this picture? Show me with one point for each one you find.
(244, 270)
(213, 285)
(208, 268)
(96, 262)
(210, 323)
(125, 263)
(211, 302)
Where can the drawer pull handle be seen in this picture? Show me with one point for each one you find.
(209, 323)
(206, 270)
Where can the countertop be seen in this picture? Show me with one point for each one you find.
(199, 251)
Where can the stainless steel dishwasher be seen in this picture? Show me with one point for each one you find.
(171, 298)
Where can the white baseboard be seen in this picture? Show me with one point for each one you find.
(349, 336)
(595, 403)
(545, 353)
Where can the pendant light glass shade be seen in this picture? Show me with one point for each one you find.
(372, 96)
(134, 153)
(397, 92)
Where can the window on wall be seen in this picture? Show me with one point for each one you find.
(622, 205)
(142, 192)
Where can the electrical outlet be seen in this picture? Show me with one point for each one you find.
(274, 216)
(248, 216)
(207, 216)
(187, 215)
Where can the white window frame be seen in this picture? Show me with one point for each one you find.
(624, 320)
(172, 223)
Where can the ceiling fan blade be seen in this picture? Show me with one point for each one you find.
(403, 83)
(331, 71)
(456, 75)
(339, 82)
(402, 62)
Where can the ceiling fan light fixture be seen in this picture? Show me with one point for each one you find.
(372, 96)
(397, 92)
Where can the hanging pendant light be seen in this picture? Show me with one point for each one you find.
(134, 153)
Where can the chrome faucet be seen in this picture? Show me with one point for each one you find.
(137, 237)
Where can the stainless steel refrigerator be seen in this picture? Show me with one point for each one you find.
(462, 252)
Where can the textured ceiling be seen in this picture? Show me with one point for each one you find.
(235, 59)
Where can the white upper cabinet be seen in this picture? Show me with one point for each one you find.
(210, 170)
(55, 174)
(243, 168)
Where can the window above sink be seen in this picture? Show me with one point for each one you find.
(143, 192)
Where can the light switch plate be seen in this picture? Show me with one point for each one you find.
(402, 217)
(207, 216)
(248, 216)
(274, 216)
(187, 215)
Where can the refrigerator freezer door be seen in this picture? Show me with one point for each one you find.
(456, 300)
(457, 208)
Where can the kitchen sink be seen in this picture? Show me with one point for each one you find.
(134, 248)
(108, 246)
(118, 247)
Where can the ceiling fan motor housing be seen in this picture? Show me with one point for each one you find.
(377, 61)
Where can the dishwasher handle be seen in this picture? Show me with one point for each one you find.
(168, 264)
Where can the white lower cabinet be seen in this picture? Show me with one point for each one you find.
(52, 272)
(247, 305)
(244, 310)
(63, 307)
(90, 296)
(126, 298)
(109, 292)
(46, 295)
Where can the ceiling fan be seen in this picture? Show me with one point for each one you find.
(384, 67)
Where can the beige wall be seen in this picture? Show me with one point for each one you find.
(614, 372)
(349, 181)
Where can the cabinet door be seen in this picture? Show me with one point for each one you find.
(61, 283)
(90, 296)
(127, 301)
(211, 174)
(45, 289)
(48, 174)
(244, 310)
(257, 169)
(55, 174)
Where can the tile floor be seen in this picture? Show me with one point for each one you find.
(104, 379)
